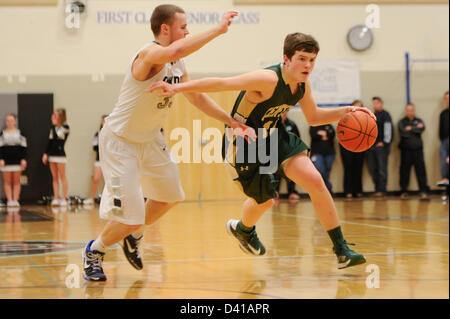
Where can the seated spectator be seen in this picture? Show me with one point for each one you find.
(353, 168)
(443, 135)
(411, 146)
(322, 150)
(292, 128)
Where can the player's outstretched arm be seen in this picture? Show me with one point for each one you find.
(207, 105)
(157, 55)
(320, 116)
(261, 81)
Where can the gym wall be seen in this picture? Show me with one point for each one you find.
(84, 69)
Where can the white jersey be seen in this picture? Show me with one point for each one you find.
(138, 115)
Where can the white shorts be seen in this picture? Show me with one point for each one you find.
(11, 168)
(57, 159)
(97, 164)
(133, 171)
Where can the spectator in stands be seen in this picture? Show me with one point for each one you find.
(292, 128)
(443, 135)
(322, 150)
(97, 168)
(13, 153)
(353, 168)
(56, 156)
(411, 146)
(377, 155)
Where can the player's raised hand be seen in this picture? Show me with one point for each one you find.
(226, 21)
(364, 109)
(243, 130)
(167, 90)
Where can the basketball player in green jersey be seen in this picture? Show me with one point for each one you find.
(265, 96)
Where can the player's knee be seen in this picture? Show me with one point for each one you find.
(268, 204)
(162, 205)
(172, 204)
(133, 228)
(167, 205)
(316, 183)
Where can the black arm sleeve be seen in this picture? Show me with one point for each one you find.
(66, 131)
(50, 137)
(419, 130)
(402, 128)
(23, 148)
(443, 126)
(1, 145)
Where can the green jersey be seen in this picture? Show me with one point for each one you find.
(247, 173)
(267, 114)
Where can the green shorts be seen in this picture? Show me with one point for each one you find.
(262, 187)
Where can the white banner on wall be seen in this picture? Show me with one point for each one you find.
(335, 82)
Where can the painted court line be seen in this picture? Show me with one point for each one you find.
(47, 276)
(231, 259)
(365, 224)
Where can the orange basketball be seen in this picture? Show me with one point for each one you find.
(357, 131)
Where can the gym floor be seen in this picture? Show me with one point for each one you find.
(188, 254)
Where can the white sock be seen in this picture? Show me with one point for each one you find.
(98, 245)
(139, 233)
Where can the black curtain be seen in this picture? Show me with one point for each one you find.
(34, 112)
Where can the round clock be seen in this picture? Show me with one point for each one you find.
(359, 37)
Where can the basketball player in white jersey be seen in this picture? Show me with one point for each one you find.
(134, 156)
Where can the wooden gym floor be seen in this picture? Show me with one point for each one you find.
(188, 253)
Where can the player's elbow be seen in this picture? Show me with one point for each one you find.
(312, 120)
(176, 53)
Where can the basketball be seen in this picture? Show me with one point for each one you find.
(357, 131)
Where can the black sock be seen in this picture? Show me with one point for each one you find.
(244, 228)
(336, 236)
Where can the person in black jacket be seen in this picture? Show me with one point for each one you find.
(443, 135)
(292, 128)
(411, 146)
(56, 156)
(322, 150)
(377, 155)
(97, 168)
(353, 168)
(13, 153)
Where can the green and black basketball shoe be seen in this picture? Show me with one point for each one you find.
(347, 257)
(248, 241)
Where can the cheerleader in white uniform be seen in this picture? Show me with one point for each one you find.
(97, 168)
(13, 152)
(56, 156)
